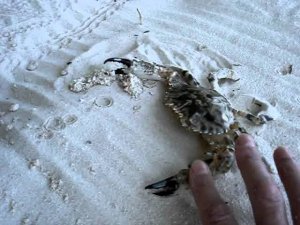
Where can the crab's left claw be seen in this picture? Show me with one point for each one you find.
(138, 68)
(169, 185)
(124, 61)
(164, 187)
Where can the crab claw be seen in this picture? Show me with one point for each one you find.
(124, 61)
(169, 185)
(265, 118)
(139, 68)
(165, 187)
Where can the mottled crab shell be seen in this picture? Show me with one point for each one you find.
(200, 109)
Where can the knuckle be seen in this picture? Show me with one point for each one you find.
(249, 155)
(268, 194)
(218, 214)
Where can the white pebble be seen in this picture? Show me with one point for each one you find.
(64, 73)
(32, 65)
(9, 127)
(14, 107)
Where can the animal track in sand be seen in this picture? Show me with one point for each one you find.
(29, 13)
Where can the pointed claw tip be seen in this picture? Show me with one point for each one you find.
(163, 193)
(148, 187)
(165, 187)
(157, 185)
(126, 62)
(268, 118)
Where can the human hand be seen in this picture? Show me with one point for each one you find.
(266, 199)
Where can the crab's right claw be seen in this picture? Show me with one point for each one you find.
(124, 61)
(169, 185)
(264, 118)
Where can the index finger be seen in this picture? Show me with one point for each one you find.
(212, 208)
(266, 200)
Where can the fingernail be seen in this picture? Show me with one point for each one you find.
(282, 149)
(199, 167)
(245, 140)
(283, 152)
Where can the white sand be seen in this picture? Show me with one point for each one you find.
(91, 164)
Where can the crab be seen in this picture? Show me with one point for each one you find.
(202, 110)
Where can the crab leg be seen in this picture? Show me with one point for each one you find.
(184, 75)
(258, 120)
(213, 81)
(169, 185)
(220, 160)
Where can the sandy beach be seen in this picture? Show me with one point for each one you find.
(84, 158)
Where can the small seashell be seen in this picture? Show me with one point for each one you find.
(56, 123)
(286, 69)
(70, 119)
(14, 107)
(32, 65)
(104, 102)
(64, 73)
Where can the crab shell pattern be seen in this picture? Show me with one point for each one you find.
(201, 110)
